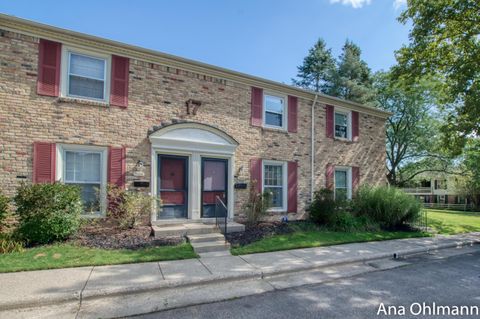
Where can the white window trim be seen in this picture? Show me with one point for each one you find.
(348, 113)
(285, 111)
(284, 184)
(349, 180)
(60, 170)
(65, 71)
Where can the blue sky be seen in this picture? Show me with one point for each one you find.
(267, 38)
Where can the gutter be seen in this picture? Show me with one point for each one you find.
(312, 151)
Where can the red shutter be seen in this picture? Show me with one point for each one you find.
(355, 178)
(256, 172)
(119, 83)
(116, 166)
(48, 80)
(355, 130)
(329, 121)
(329, 176)
(292, 186)
(44, 155)
(292, 113)
(257, 106)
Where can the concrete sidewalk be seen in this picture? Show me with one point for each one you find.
(120, 290)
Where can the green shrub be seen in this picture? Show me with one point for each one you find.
(8, 245)
(388, 206)
(129, 208)
(257, 205)
(323, 207)
(4, 210)
(47, 212)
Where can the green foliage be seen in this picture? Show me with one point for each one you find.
(323, 207)
(348, 77)
(353, 79)
(468, 184)
(388, 206)
(317, 69)
(4, 210)
(10, 245)
(47, 212)
(413, 131)
(257, 205)
(444, 43)
(130, 208)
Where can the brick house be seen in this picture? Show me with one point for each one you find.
(84, 110)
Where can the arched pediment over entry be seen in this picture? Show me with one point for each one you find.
(193, 137)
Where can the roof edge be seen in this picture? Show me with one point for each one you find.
(49, 32)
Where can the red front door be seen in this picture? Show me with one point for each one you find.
(173, 186)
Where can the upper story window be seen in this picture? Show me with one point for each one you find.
(342, 124)
(85, 75)
(274, 111)
(274, 182)
(343, 183)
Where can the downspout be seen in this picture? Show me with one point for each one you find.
(312, 151)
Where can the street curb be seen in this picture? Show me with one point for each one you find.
(89, 295)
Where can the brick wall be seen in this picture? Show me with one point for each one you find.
(158, 94)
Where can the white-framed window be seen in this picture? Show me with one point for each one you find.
(85, 74)
(343, 124)
(86, 167)
(343, 183)
(275, 182)
(274, 111)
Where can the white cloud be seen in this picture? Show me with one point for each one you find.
(397, 4)
(354, 3)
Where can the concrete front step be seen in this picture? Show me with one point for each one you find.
(192, 228)
(202, 238)
(184, 229)
(210, 246)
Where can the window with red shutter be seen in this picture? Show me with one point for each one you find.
(49, 55)
(292, 113)
(292, 186)
(119, 83)
(44, 155)
(355, 126)
(329, 176)
(117, 166)
(256, 172)
(355, 178)
(257, 106)
(329, 115)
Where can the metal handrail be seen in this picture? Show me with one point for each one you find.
(220, 207)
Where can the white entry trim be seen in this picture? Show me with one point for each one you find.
(195, 141)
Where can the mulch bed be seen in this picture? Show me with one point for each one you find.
(257, 232)
(112, 237)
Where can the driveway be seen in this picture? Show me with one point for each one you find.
(447, 281)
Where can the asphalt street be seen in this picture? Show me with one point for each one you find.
(452, 281)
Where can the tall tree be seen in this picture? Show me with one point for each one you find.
(317, 69)
(352, 79)
(412, 131)
(468, 185)
(445, 42)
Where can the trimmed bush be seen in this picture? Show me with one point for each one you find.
(128, 209)
(323, 207)
(4, 210)
(390, 207)
(257, 205)
(47, 212)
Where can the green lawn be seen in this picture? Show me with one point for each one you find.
(453, 222)
(68, 255)
(315, 238)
